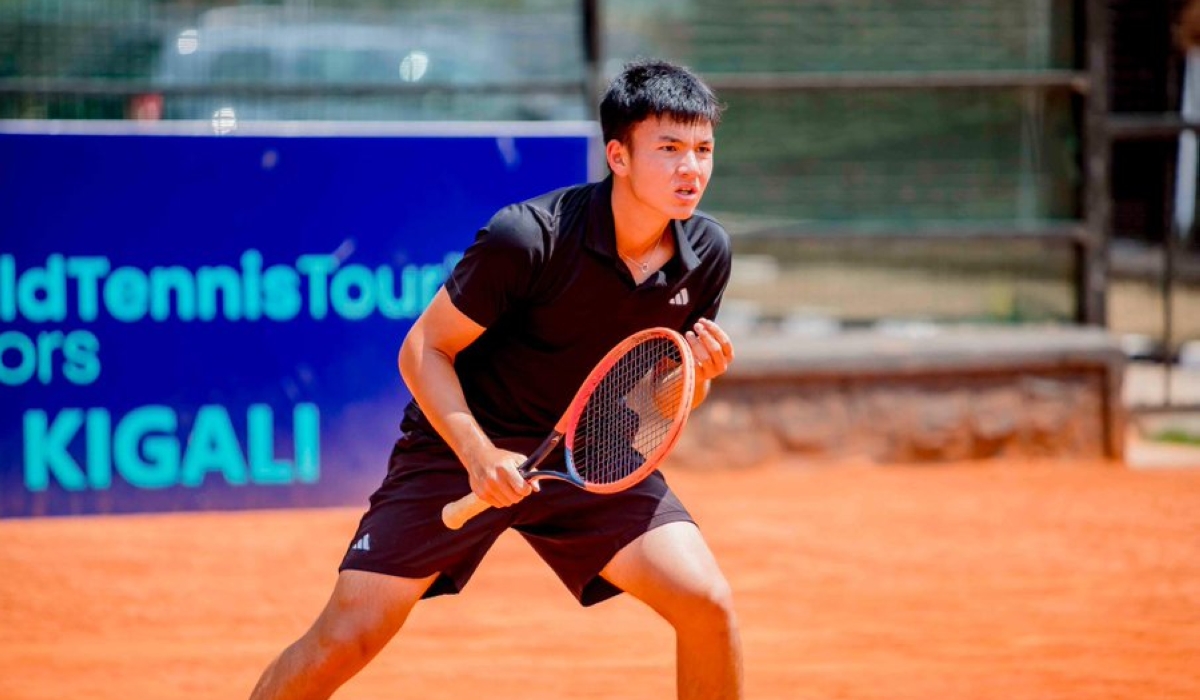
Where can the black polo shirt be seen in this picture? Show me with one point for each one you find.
(544, 279)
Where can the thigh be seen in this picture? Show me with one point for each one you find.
(366, 609)
(578, 533)
(669, 568)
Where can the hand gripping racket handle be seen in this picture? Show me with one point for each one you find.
(456, 514)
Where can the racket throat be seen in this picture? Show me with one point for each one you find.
(540, 454)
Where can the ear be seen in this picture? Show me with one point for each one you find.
(617, 156)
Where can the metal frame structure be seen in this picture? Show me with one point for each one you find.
(1103, 129)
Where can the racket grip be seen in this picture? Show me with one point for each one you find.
(456, 514)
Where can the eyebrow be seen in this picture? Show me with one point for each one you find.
(672, 138)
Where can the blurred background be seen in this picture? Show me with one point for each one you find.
(883, 164)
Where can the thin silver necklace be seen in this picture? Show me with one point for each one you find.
(643, 266)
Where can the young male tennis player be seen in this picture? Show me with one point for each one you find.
(545, 290)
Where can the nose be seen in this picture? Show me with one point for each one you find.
(689, 163)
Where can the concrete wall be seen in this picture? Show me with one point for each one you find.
(938, 396)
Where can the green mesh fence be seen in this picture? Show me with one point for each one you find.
(846, 35)
(889, 158)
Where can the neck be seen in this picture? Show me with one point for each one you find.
(638, 228)
(644, 251)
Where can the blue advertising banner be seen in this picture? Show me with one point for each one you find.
(212, 322)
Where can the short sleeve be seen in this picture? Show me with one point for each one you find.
(716, 253)
(497, 269)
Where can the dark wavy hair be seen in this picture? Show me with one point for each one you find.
(655, 88)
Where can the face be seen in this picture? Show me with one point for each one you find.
(667, 165)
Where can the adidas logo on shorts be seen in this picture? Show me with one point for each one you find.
(363, 544)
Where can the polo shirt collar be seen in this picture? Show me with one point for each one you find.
(601, 231)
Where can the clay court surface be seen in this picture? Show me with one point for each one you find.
(1002, 580)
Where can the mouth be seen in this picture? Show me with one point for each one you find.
(687, 191)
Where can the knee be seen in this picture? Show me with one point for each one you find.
(341, 648)
(709, 607)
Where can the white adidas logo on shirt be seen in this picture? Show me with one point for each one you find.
(680, 299)
(363, 544)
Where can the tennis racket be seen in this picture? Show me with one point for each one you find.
(620, 426)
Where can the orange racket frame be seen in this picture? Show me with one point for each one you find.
(456, 514)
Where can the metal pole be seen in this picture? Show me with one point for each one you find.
(593, 49)
(593, 46)
(1183, 210)
(1092, 277)
(1168, 283)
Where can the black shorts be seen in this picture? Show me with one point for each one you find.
(573, 531)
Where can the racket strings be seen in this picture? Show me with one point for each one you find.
(631, 412)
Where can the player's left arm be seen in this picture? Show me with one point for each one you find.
(713, 353)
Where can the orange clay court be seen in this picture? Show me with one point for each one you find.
(999, 580)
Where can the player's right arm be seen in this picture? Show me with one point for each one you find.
(427, 364)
